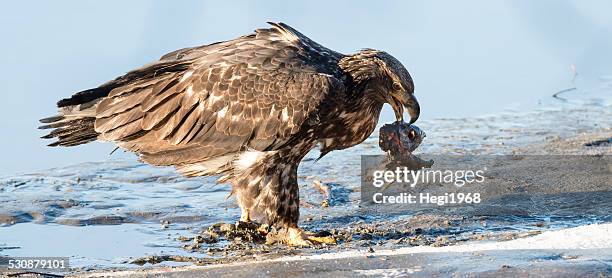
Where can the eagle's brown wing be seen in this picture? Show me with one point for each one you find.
(252, 92)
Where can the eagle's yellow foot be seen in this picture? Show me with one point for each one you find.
(321, 239)
(298, 237)
(245, 221)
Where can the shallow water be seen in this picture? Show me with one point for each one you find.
(105, 214)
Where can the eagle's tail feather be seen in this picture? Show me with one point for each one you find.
(73, 126)
(77, 114)
(71, 132)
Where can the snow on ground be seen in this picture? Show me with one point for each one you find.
(594, 236)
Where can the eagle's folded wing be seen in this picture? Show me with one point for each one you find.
(252, 92)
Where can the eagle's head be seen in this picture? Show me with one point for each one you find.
(385, 78)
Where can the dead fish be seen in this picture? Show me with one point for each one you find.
(400, 138)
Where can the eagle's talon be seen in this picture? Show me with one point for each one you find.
(322, 239)
(298, 238)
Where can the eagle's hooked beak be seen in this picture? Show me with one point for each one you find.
(398, 102)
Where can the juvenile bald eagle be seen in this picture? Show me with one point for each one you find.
(247, 109)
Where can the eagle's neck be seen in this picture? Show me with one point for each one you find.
(365, 79)
(353, 121)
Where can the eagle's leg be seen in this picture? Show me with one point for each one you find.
(265, 184)
(281, 198)
(245, 216)
(245, 192)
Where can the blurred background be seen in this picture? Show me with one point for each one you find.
(467, 58)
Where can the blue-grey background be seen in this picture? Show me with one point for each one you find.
(467, 58)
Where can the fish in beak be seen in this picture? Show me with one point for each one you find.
(408, 101)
